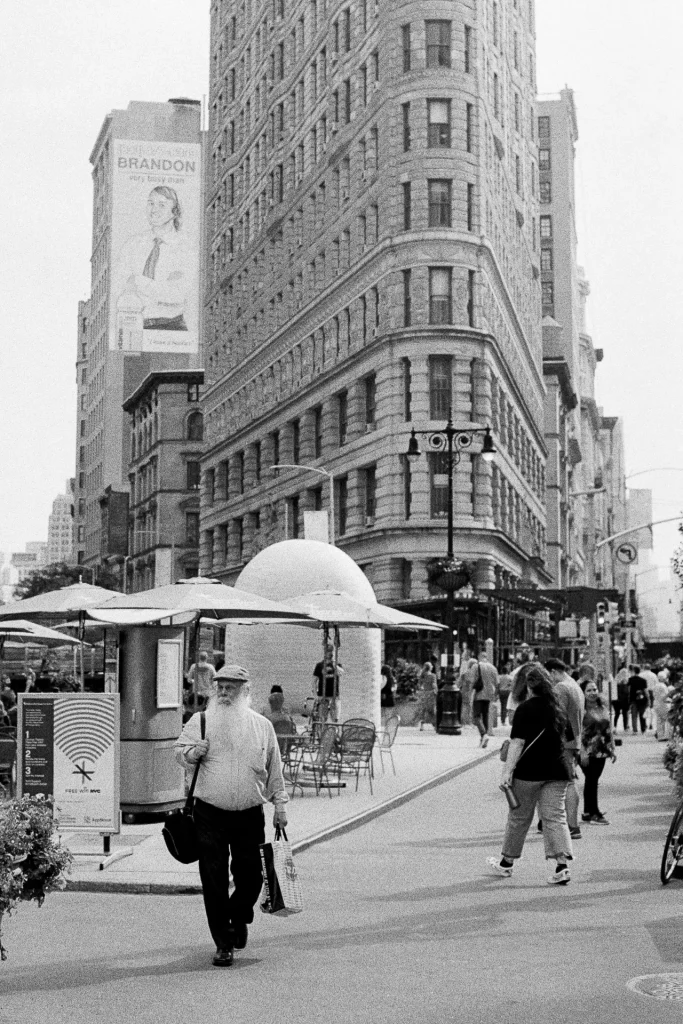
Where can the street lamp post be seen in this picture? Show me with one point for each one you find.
(320, 472)
(453, 441)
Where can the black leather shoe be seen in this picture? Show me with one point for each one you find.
(223, 957)
(240, 934)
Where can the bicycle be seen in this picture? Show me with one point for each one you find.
(672, 858)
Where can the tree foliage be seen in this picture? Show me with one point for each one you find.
(677, 560)
(60, 574)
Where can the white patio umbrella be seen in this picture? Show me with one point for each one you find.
(22, 630)
(55, 604)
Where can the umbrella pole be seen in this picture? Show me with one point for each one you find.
(81, 631)
(336, 671)
(195, 647)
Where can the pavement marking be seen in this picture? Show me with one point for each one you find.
(658, 986)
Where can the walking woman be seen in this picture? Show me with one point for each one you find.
(597, 744)
(426, 686)
(536, 768)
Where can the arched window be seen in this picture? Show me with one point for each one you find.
(195, 427)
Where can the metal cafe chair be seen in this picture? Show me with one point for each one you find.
(323, 761)
(354, 750)
(385, 739)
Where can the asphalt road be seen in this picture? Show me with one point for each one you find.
(403, 924)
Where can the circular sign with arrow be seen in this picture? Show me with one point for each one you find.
(627, 553)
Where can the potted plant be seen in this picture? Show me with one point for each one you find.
(32, 861)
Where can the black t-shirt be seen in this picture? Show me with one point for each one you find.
(637, 690)
(326, 690)
(544, 761)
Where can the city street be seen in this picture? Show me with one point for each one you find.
(402, 923)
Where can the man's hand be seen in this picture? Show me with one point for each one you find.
(279, 818)
(197, 752)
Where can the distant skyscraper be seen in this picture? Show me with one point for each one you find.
(143, 313)
(373, 266)
(60, 527)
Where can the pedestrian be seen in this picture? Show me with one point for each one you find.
(483, 679)
(504, 689)
(426, 695)
(597, 744)
(275, 710)
(637, 699)
(536, 768)
(651, 681)
(240, 771)
(202, 675)
(620, 702)
(386, 694)
(571, 700)
(660, 709)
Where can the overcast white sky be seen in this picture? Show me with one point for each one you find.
(64, 66)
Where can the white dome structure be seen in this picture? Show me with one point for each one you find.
(279, 653)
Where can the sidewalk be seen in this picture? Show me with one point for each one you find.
(423, 759)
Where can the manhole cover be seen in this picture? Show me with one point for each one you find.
(658, 986)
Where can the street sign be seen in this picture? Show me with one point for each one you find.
(68, 748)
(627, 553)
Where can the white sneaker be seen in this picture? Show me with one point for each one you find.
(498, 868)
(559, 877)
(484, 741)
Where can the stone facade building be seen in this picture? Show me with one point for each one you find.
(372, 224)
(105, 376)
(164, 446)
(60, 527)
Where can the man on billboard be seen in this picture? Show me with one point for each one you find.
(156, 267)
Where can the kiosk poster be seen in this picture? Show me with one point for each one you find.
(69, 749)
(155, 233)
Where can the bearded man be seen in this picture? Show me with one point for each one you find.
(240, 770)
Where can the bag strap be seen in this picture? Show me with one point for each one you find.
(188, 802)
(530, 746)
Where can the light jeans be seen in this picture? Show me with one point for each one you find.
(550, 798)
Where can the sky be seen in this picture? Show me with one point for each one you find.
(64, 66)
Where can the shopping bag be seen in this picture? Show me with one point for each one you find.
(281, 893)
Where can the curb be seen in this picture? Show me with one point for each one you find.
(342, 827)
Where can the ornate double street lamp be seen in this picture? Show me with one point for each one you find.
(453, 573)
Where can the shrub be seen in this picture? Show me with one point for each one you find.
(406, 674)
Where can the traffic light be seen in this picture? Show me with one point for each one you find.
(601, 614)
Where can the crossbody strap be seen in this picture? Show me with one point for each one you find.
(530, 746)
(190, 794)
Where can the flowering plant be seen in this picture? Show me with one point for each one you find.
(32, 862)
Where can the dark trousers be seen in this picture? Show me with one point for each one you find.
(480, 714)
(503, 698)
(638, 714)
(229, 839)
(620, 708)
(592, 773)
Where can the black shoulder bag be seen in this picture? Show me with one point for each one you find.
(179, 829)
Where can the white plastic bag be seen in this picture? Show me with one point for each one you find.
(281, 893)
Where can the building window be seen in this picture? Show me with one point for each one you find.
(342, 505)
(294, 516)
(438, 484)
(470, 207)
(275, 441)
(407, 310)
(438, 44)
(239, 539)
(547, 293)
(545, 192)
(440, 387)
(370, 401)
(405, 366)
(440, 304)
(318, 431)
(439, 193)
(469, 126)
(544, 159)
(239, 472)
(370, 481)
(257, 461)
(406, 206)
(195, 427)
(192, 476)
(296, 441)
(405, 41)
(546, 260)
(347, 101)
(343, 416)
(193, 392)
(405, 474)
(405, 110)
(438, 124)
(192, 529)
(470, 298)
(544, 127)
(546, 224)
(347, 30)
(468, 48)
(210, 486)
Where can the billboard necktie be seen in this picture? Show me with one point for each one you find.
(152, 260)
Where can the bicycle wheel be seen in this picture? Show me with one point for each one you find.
(673, 847)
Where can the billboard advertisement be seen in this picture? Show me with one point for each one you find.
(155, 226)
(68, 748)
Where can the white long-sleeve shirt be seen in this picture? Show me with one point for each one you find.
(243, 767)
